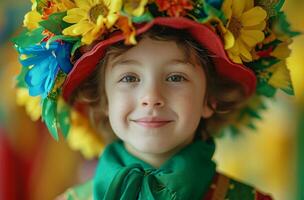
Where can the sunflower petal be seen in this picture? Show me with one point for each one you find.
(83, 4)
(249, 4)
(234, 58)
(72, 18)
(255, 35)
(78, 11)
(88, 38)
(253, 16)
(229, 40)
(261, 26)
(111, 19)
(226, 8)
(82, 27)
(71, 30)
(238, 8)
(245, 54)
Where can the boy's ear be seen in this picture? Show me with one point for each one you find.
(208, 108)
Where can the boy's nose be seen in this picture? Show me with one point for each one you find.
(152, 102)
(152, 98)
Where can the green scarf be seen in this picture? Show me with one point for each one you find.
(186, 175)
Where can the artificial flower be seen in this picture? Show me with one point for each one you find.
(32, 104)
(125, 24)
(91, 18)
(244, 28)
(64, 5)
(43, 65)
(83, 138)
(282, 51)
(135, 7)
(280, 75)
(32, 18)
(174, 8)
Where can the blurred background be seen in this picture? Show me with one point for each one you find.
(33, 166)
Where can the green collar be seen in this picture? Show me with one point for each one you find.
(186, 175)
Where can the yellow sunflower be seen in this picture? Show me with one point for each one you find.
(83, 138)
(135, 7)
(32, 18)
(32, 104)
(64, 5)
(244, 29)
(91, 18)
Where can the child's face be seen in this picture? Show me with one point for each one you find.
(153, 81)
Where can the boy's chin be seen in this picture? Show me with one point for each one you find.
(153, 147)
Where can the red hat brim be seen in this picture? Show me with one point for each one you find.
(86, 64)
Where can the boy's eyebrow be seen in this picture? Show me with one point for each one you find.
(125, 62)
(135, 62)
(179, 61)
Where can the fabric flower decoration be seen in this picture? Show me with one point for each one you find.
(82, 137)
(32, 18)
(135, 7)
(43, 65)
(32, 104)
(91, 18)
(244, 28)
(174, 8)
(64, 5)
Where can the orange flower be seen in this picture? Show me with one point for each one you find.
(125, 25)
(174, 8)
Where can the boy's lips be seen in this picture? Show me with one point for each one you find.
(152, 122)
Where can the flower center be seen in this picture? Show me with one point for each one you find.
(95, 11)
(133, 3)
(235, 26)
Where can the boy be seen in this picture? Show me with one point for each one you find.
(163, 98)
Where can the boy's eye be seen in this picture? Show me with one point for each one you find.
(176, 78)
(129, 78)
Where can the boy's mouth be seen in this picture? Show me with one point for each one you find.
(152, 122)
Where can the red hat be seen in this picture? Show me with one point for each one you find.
(86, 64)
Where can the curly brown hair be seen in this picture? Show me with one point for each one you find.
(227, 95)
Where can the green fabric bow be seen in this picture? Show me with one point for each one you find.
(186, 175)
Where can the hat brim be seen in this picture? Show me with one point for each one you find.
(86, 64)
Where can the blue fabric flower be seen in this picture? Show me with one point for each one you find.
(43, 65)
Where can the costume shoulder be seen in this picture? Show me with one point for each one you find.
(80, 192)
(224, 187)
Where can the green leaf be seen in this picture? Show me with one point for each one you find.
(234, 130)
(251, 126)
(213, 12)
(265, 89)
(254, 114)
(41, 4)
(27, 37)
(204, 11)
(49, 116)
(76, 46)
(66, 38)
(270, 6)
(262, 63)
(146, 17)
(63, 116)
(56, 88)
(282, 27)
(55, 23)
(289, 90)
(21, 78)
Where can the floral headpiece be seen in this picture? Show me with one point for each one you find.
(254, 33)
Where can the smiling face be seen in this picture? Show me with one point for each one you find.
(156, 97)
